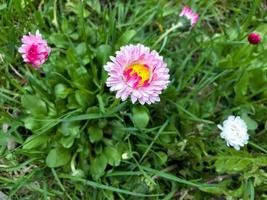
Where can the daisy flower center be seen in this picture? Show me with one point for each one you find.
(32, 53)
(138, 74)
(235, 130)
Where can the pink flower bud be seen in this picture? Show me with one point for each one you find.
(190, 15)
(254, 38)
(34, 49)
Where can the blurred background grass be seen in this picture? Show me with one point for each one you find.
(69, 138)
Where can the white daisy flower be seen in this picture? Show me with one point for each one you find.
(234, 131)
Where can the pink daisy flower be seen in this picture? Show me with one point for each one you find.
(137, 72)
(34, 49)
(190, 15)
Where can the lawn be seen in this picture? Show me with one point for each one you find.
(148, 99)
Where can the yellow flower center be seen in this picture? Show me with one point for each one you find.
(138, 72)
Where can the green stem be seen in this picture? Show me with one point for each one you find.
(167, 33)
(60, 184)
(257, 147)
(156, 137)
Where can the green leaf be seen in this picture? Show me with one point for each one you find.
(59, 40)
(61, 91)
(84, 99)
(3, 6)
(95, 5)
(3, 140)
(58, 157)
(67, 142)
(98, 166)
(35, 141)
(31, 123)
(261, 161)
(251, 124)
(140, 116)
(103, 187)
(95, 134)
(161, 158)
(241, 88)
(239, 162)
(213, 189)
(165, 138)
(80, 77)
(98, 148)
(81, 49)
(91, 34)
(112, 155)
(258, 79)
(231, 163)
(72, 103)
(102, 123)
(118, 131)
(125, 38)
(101, 103)
(34, 105)
(102, 53)
(89, 116)
(70, 129)
(71, 55)
(140, 187)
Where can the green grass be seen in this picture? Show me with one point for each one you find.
(173, 148)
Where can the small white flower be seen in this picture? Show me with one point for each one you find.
(125, 156)
(234, 131)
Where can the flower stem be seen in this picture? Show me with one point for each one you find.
(166, 33)
(257, 147)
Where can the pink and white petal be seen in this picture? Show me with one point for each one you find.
(125, 94)
(133, 98)
(136, 93)
(125, 87)
(142, 100)
(113, 82)
(118, 86)
(26, 40)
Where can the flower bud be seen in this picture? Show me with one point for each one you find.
(189, 17)
(254, 38)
